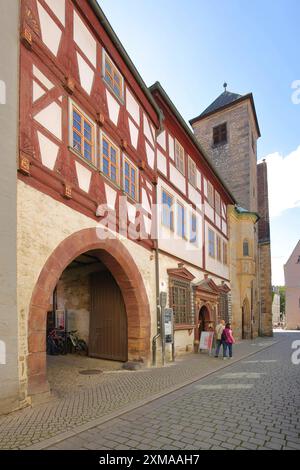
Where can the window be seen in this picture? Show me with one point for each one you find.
(110, 159)
(130, 179)
(167, 210)
(298, 260)
(180, 220)
(210, 194)
(246, 248)
(179, 157)
(193, 229)
(180, 301)
(217, 203)
(211, 243)
(82, 134)
(220, 134)
(225, 253)
(192, 172)
(219, 252)
(113, 77)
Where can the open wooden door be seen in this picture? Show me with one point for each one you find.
(108, 320)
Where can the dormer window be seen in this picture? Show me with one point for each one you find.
(220, 134)
(113, 77)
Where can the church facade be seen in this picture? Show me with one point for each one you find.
(112, 200)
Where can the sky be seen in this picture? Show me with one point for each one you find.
(193, 46)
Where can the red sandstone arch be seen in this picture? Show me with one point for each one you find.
(122, 266)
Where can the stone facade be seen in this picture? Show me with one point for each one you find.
(292, 289)
(243, 269)
(236, 160)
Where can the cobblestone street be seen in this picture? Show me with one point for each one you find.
(252, 404)
(82, 402)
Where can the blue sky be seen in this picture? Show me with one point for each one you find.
(192, 47)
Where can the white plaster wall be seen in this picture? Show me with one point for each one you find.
(212, 264)
(177, 179)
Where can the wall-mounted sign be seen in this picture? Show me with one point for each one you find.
(168, 322)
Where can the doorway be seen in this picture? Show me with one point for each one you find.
(108, 319)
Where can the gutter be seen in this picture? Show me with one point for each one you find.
(157, 87)
(120, 48)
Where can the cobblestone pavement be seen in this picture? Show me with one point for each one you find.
(81, 402)
(252, 404)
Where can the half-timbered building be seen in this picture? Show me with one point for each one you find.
(112, 202)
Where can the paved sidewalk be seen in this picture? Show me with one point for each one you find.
(83, 402)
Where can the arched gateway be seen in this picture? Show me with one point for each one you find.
(117, 259)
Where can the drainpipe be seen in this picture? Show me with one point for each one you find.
(158, 306)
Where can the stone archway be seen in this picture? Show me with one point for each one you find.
(122, 266)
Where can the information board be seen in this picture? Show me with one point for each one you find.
(206, 341)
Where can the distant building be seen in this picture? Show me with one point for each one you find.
(276, 306)
(292, 284)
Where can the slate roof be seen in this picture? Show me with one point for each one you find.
(224, 99)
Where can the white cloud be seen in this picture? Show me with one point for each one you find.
(283, 181)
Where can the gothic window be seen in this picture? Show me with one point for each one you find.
(225, 253)
(180, 301)
(220, 134)
(246, 248)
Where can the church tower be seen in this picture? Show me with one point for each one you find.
(228, 131)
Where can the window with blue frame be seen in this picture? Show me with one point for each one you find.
(110, 159)
(113, 77)
(211, 243)
(130, 179)
(180, 220)
(167, 210)
(82, 135)
(193, 229)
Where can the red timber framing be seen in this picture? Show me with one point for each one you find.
(55, 74)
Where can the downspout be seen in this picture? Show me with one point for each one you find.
(158, 306)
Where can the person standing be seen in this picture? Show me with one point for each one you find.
(227, 340)
(219, 330)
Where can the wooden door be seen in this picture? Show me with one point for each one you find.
(108, 319)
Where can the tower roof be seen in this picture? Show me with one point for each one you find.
(225, 100)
